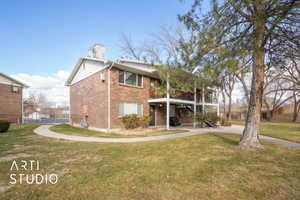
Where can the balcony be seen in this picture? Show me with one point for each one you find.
(209, 98)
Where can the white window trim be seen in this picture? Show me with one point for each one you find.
(124, 79)
(142, 108)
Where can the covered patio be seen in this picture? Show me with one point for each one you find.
(162, 109)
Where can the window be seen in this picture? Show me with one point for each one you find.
(125, 108)
(15, 89)
(121, 76)
(129, 78)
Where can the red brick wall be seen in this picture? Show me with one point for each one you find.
(90, 95)
(10, 103)
(122, 93)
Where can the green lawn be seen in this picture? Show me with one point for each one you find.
(71, 130)
(197, 167)
(282, 130)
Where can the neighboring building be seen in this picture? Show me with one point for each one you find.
(37, 116)
(102, 91)
(11, 99)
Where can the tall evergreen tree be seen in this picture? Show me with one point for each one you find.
(253, 27)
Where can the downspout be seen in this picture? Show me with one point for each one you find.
(108, 98)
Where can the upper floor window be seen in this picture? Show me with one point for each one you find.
(129, 78)
(15, 89)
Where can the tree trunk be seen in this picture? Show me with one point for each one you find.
(295, 116)
(229, 108)
(271, 117)
(296, 111)
(249, 139)
(224, 103)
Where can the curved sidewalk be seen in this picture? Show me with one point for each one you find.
(43, 130)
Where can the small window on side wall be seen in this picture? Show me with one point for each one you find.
(15, 89)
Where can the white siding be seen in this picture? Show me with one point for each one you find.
(6, 81)
(86, 69)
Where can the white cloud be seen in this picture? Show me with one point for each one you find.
(52, 86)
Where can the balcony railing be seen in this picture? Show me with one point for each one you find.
(189, 96)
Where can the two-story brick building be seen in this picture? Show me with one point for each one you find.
(11, 99)
(102, 91)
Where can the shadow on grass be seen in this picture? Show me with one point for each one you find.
(226, 139)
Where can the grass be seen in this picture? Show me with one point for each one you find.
(197, 167)
(71, 130)
(282, 130)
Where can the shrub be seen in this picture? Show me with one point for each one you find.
(144, 121)
(130, 121)
(201, 118)
(4, 125)
(213, 117)
(225, 122)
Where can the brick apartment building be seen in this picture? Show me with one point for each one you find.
(11, 95)
(102, 91)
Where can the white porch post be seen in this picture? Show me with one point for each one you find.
(168, 104)
(195, 104)
(203, 99)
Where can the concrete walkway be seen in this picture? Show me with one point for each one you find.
(44, 131)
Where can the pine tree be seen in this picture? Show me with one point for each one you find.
(257, 28)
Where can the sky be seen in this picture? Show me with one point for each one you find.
(42, 40)
(43, 37)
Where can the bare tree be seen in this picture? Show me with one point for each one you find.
(161, 47)
(274, 95)
(36, 102)
(228, 82)
(129, 48)
(293, 75)
(243, 74)
(296, 102)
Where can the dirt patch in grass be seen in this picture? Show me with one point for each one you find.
(18, 148)
(118, 133)
(14, 156)
(82, 158)
(4, 188)
(137, 131)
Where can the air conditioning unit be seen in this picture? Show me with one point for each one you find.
(102, 76)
